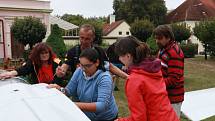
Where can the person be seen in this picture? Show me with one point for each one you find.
(114, 59)
(41, 65)
(86, 37)
(145, 88)
(91, 84)
(172, 59)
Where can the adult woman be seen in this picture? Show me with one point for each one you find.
(41, 66)
(92, 86)
(145, 88)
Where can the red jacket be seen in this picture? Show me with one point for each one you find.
(172, 59)
(146, 93)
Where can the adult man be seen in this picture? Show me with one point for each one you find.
(172, 60)
(86, 37)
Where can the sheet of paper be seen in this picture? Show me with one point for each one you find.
(199, 105)
(23, 102)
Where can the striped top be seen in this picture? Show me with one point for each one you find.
(172, 60)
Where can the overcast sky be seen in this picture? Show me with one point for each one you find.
(90, 8)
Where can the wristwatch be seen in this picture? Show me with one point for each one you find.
(63, 90)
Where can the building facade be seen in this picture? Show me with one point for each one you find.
(11, 9)
(192, 12)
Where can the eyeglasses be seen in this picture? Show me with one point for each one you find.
(86, 65)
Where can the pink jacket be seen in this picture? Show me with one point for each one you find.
(146, 93)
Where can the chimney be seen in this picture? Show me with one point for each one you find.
(112, 18)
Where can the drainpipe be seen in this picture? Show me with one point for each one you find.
(3, 37)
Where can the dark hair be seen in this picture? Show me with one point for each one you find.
(164, 30)
(93, 55)
(36, 51)
(139, 50)
(88, 27)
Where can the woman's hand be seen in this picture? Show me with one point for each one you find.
(6, 75)
(54, 86)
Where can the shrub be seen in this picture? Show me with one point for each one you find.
(29, 30)
(152, 45)
(56, 41)
(189, 50)
(142, 29)
(181, 31)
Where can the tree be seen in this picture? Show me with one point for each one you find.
(56, 41)
(74, 19)
(29, 30)
(130, 10)
(181, 31)
(205, 32)
(142, 29)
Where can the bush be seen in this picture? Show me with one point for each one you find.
(152, 45)
(56, 41)
(189, 50)
(29, 30)
(181, 31)
(142, 29)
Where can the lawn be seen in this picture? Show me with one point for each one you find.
(199, 74)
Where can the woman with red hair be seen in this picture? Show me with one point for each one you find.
(41, 66)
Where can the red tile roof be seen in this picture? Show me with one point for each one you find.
(107, 28)
(192, 10)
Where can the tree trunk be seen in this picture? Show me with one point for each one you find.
(206, 52)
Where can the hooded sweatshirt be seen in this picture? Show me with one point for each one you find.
(146, 93)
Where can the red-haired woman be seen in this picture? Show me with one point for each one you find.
(41, 66)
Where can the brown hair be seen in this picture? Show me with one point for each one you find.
(36, 51)
(139, 50)
(164, 30)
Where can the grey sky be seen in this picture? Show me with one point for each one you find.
(90, 8)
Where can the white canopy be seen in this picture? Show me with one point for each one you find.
(23, 102)
(62, 24)
(199, 105)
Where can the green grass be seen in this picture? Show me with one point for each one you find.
(199, 74)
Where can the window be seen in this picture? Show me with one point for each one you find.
(127, 33)
(120, 33)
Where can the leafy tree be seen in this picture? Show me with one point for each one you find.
(29, 30)
(205, 32)
(142, 29)
(181, 31)
(56, 41)
(130, 10)
(74, 19)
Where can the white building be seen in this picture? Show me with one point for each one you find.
(191, 12)
(9, 10)
(115, 29)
